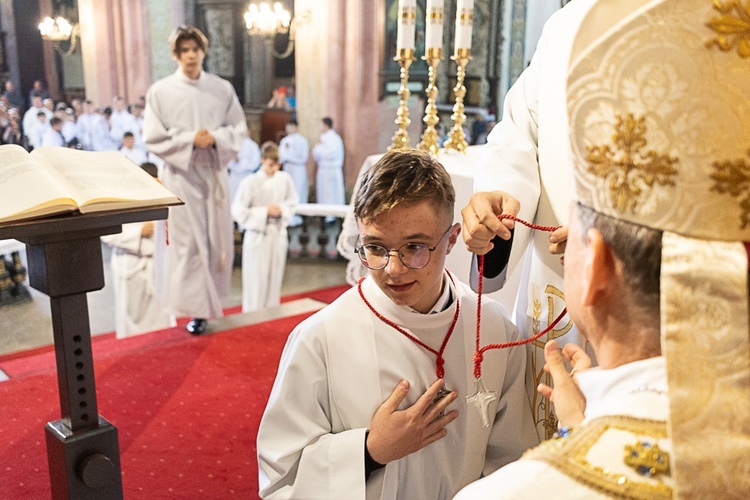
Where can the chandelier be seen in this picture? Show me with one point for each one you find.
(266, 21)
(60, 30)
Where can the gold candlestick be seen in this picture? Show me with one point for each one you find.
(401, 138)
(430, 137)
(456, 136)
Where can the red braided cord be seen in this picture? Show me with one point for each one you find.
(479, 352)
(440, 362)
(549, 229)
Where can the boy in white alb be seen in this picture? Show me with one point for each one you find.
(132, 267)
(263, 206)
(335, 427)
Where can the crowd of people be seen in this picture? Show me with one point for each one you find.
(42, 121)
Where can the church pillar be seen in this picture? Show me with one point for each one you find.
(337, 61)
(114, 40)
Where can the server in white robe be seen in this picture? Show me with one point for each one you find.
(263, 207)
(527, 158)
(294, 151)
(132, 265)
(329, 156)
(194, 122)
(357, 410)
(652, 257)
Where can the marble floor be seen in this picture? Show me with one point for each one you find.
(27, 325)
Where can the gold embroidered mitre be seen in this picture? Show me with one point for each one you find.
(659, 112)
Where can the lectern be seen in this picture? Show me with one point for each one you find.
(65, 262)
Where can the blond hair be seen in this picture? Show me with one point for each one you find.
(182, 33)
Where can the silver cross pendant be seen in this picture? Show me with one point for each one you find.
(481, 399)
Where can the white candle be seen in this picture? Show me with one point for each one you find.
(434, 25)
(407, 21)
(464, 18)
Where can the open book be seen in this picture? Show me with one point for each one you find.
(52, 180)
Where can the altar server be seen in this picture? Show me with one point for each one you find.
(294, 150)
(370, 396)
(194, 122)
(263, 207)
(329, 155)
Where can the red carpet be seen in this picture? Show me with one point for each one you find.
(187, 410)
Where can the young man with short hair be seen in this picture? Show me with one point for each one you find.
(194, 122)
(370, 396)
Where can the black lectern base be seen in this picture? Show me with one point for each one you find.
(84, 464)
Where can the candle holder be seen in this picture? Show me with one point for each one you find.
(401, 138)
(456, 136)
(429, 140)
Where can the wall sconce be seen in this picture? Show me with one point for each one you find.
(60, 30)
(263, 20)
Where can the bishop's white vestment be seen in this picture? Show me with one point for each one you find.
(294, 150)
(193, 272)
(132, 265)
(265, 242)
(343, 362)
(625, 406)
(528, 156)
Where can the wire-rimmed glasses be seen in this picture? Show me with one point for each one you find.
(412, 255)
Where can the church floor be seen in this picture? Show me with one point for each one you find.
(28, 324)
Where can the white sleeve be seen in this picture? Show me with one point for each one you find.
(243, 210)
(298, 455)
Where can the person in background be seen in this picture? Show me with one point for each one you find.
(38, 89)
(14, 97)
(329, 156)
(85, 124)
(13, 133)
(278, 99)
(370, 396)
(263, 207)
(194, 122)
(135, 154)
(101, 136)
(132, 267)
(246, 162)
(294, 151)
(479, 129)
(36, 131)
(30, 117)
(52, 135)
(122, 121)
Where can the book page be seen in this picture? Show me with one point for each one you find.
(103, 178)
(26, 190)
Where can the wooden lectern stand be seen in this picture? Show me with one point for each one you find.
(65, 262)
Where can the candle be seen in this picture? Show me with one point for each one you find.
(464, 18)
(434, 25)
(407, 20)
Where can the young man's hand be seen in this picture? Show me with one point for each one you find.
(480, 222)
(395, 434)
(204, 139)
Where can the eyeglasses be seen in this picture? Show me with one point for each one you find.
(412, 255)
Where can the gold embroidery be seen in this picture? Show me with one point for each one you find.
(628, 168)
(732, 30)
(647, 458)
(732, 177)
(569, 456)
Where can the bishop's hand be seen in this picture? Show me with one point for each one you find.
(568, 399)
(395, 434)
